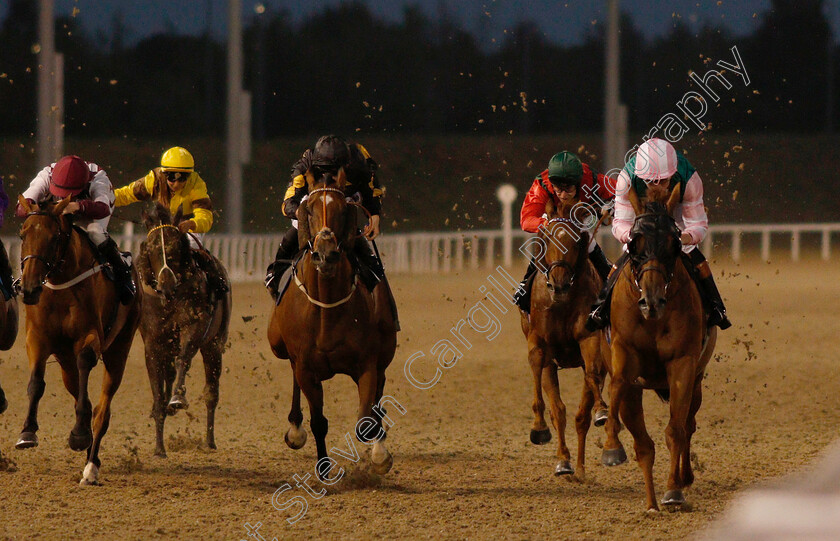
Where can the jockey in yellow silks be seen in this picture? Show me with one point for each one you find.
(176, 184)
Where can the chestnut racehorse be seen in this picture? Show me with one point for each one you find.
(8, 329)
(179, 319)
(561, 298)
(659, 341)
(78, 318)
(330, 324)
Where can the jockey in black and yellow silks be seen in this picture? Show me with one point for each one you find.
(176, 184)
(330, 154)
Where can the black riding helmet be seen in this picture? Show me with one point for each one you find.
(331, 152)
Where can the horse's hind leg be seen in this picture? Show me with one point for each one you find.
(540, 434)
(681, 383)
(594, 372)
(114, 360)
(37, 352)
(557, 408)
(81, 436)
(295, 436)
(686, 475)
(211, 355)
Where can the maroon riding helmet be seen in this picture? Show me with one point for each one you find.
(69, 176)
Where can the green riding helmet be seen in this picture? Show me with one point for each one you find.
(565, 168)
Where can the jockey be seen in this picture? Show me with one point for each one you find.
(176, 184)
(565, 179)
(664, 165)
(93, 203)
(330, 154)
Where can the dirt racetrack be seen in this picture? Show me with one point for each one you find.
(464, 467)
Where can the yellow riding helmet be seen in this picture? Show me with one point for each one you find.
(177, 159)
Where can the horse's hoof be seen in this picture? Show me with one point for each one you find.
(4, 404)
(80, 442)
(160, 453)
(27, 440)
(540, 437)
(601, 417)
(295, 437)
(381, 459)
(564, 467)
(613, 457)
(673, 498)
(90, 477)
(177, 402)
(211, 445)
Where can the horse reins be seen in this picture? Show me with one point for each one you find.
(160, 228)
(59, 259)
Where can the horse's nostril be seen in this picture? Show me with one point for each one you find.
(316, 256)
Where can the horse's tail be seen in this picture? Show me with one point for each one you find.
(664, 394)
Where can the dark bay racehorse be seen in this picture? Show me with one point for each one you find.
(659, 341)
(78, 318)
(180, 318)
(8, 329)
(560, 301)
(330, 324)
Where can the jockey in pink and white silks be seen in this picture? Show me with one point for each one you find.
(657, 163)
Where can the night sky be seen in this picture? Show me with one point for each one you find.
(561, 22)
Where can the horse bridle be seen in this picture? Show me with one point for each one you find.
(165, 266)
(324, 230)
(58, 240)
(560, 263)
(650, 257)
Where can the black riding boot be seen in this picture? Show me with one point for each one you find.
(282, 261)
(600, 315)
(523, 299)
(122, 272)
(602, 264)
(6, 280)
(712, 301)
(215, 277)
(370, 267)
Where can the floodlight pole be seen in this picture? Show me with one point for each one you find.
(615, 114)
(50, 88)
(233, 192)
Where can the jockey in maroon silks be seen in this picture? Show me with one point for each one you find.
(565, 179)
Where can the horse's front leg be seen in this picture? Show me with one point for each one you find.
(81, 436)
(613, 453)
(190, 338)
(36, 349)
(681, 382)
(312, 389)
(295, 436)
(540, 433)
(551, 387)
(369, 428)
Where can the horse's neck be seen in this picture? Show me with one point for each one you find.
(77, 258)
(327, 290)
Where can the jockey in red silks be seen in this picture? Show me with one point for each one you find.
(566, 178)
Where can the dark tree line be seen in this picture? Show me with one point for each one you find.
(344, 70)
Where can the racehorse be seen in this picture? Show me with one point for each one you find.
(78, 318)
(179, 319)
(330, 324)
(659, 341)
(557, 337)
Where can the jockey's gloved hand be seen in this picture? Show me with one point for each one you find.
(186, 225)
(372, 229)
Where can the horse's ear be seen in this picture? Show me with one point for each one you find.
(24, 203)
(634, 201)
(341, 179)
(550, 208)
(179, 215)
(673, 200)
(310, 179)
(59, 208)
(302, 214)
